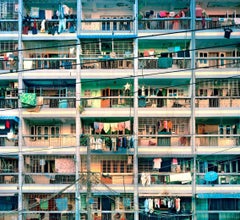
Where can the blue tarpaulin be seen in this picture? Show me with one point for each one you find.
(14, 118)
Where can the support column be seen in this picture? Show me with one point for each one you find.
(193, 94)
(135, 118)
(20, 130)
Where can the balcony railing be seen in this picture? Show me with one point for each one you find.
(59, 102)
(9, 102)
(168, 23)
(223, 178)
(49, 178)
(49, 63)
(155, 178)
(5, 141)
(49, 140)
(107, 24)
(107, 102)
(211, 140)
(7, 25)
(218, 102)
(122, 24)
(217, 62)
(8, 177)
(163, 139)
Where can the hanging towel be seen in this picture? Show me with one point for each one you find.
(62, 204)
(44, 204)
(127, 125)
(114, 127)
(106, 127)
(100, 126)
(237, 20)
(96, 125)
(177, 204)
(121, 126)
(28, 100)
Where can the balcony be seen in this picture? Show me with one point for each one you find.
(108, 25)
(49, 141)
(49, 178)
(216, 60)
(8, 25)
(164, 178)
(223, 179)
(218, 102)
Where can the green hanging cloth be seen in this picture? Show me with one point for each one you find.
(28, 100)
(44, 204)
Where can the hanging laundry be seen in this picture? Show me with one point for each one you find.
(130, 160)
(131, 142)
(98, 144)
(174, 161)
(100, 126)
(159, 124)
(106, 127)
(96, 126)
(157, 162)
(114, 127)
(43, 204)
(127, 202)
(165, 124)
(28, 100)
(177, 204)
(150, 205)
(169, 126)
(157, 203)
(121, 126)
(146, 179)
(7, 124)
(92, 142)
(62, 204)
(128, 125)
(114, 144)
(146, 205)
(124, 142)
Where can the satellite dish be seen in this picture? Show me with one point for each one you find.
(211, 176)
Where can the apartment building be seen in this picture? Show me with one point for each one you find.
(124, 109)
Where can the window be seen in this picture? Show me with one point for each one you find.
(176, 92)
(115, 166)
(203, 56)
(45, 133)
(53, 132)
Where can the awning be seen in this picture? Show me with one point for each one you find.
(218, 196)
(14, 118)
